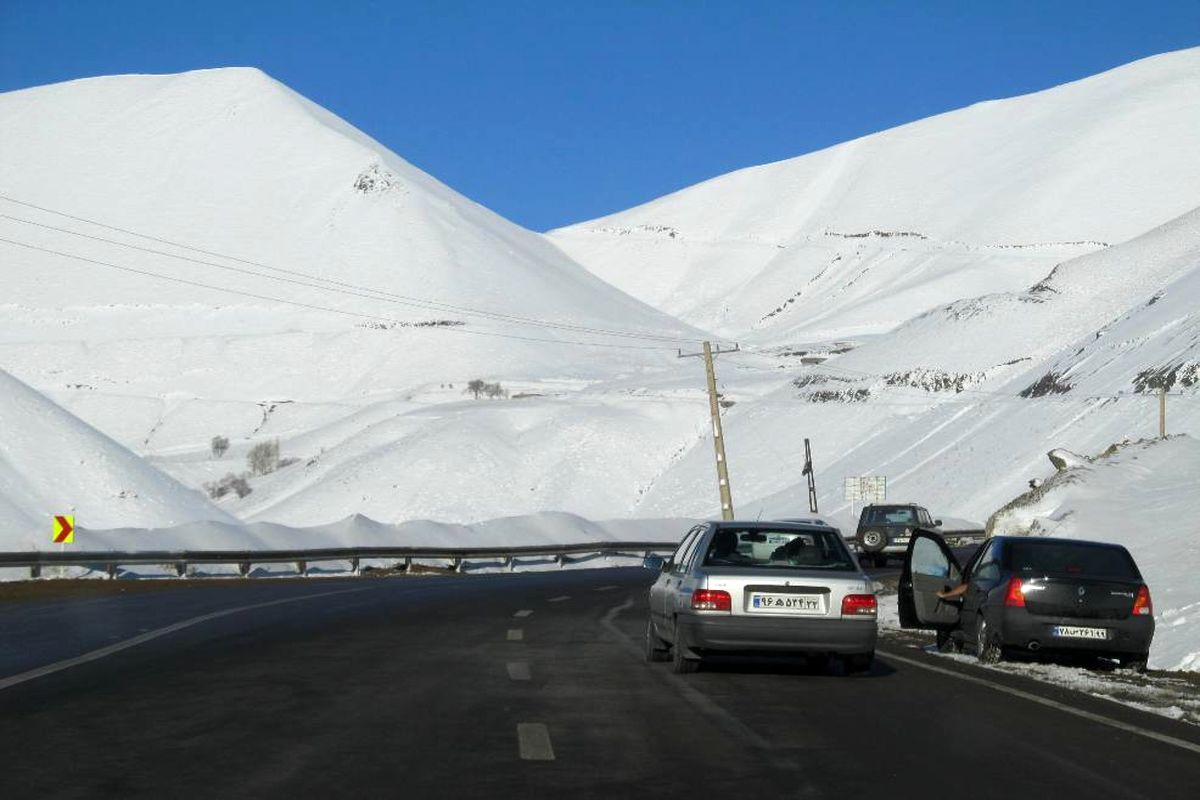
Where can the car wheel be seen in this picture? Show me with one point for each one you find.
(987, 647)
(873, 540)
(679, 664)
(655, 648)
(946, 643)
(859, 662)
(1135, 663)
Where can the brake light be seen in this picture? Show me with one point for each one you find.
(859, 605)
(1014, 597)
(1141, 604)
(711, 600)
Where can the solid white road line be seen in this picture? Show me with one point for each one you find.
(94, 655)
(608, 588)
(533, 742)
(559, 599)
(516, 634)
(1045, 701)
(518, 670)
(524, 612)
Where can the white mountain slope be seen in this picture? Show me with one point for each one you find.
(858, 238)
(937, 406)
(235, 163)
(52, 463)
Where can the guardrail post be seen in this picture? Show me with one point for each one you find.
(243, 568)
(302, 567)
(458, 565)
(408, 563)
(560, 559)
(35, 571)
(510, 563)
(354, 566)
(180, 569)
(111, 569)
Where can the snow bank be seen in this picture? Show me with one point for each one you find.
(1144, 496)
(53, 463)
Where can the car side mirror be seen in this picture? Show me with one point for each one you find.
(654, 563)
(937, 523)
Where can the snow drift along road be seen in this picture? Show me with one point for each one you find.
(52, 463)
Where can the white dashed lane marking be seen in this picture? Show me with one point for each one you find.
(519, 670)
(559, 599)
(524, 612)
(516, 634)
(533, 742)
(608, 588)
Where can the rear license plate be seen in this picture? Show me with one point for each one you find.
(1074, 632)
(794, 603)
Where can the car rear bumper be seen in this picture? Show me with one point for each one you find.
(1025, 631)
(734, 633)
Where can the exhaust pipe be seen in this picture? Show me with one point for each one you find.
(1034, 645)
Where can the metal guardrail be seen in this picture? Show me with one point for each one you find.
(111, 561)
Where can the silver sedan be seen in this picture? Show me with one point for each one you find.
(761, 587)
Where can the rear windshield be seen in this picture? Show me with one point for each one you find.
(778, 548)
(889, 515)
(1071, 558)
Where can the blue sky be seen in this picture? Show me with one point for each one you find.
(555, 112)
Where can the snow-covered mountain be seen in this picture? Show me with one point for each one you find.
(52, 463)
(862, 236)
(229, 259)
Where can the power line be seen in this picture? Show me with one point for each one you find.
(315, 307)
(342, 286)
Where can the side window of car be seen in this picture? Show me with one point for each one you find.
(688, 538)
(689, 554)
(926, 520)
(988, 566)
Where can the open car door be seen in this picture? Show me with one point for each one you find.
(929, 567)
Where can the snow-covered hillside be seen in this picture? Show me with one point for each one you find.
(52, 463)
(350, 294)
(1145, 497)
(857, 238)
(956, 404)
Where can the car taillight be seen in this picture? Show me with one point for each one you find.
(1141, 604)
(1014, 596)
(711, 600)
(859, 605)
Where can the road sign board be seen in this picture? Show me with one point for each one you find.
(64, 528)
(866, 488)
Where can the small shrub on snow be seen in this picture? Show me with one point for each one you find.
(263, 458)
(219, 445)
(236, 484)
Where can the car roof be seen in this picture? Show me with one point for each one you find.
(1039, 541)
(770, 525)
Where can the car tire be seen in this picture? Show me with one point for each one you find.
(656, 649)
(987, 646)
(859, 662)
(1136, 663)
(679, 664)
(873, 540)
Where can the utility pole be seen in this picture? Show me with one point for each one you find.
(714, 408)
(1162, 411)
(812, 485)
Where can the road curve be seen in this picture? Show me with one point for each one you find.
(515, 685)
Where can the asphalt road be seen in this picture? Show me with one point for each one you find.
(516, 685)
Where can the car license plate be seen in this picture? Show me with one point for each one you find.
(1075, 632)
(795, 603)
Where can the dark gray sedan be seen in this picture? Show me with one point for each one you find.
(761, 587)
(1027, 594)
